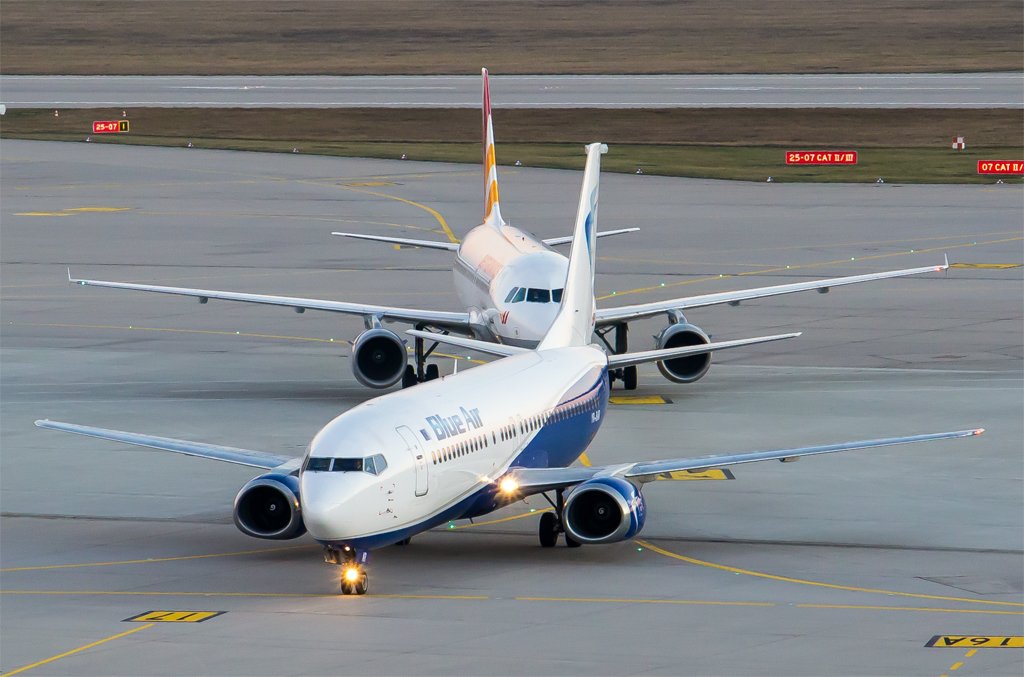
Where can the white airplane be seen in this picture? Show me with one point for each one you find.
(471, 443)
(510, 283)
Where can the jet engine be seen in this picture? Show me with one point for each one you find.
(378, 358)
(684, 369)
(268, 507)
(604, 510)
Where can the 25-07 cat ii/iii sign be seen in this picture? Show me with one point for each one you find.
(821, 157)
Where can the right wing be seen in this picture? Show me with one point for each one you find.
(427, 244)
(554, 241)
(253, 459)
(629, 359)
(606, 316)
(439, 318)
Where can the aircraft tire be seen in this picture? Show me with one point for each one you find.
(432, 372)
(629, 378)
(409, 377)
(571, 542)
(548, 530)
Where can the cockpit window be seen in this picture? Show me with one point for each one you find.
(538, 295)
(313, 463)
(347, 465)
(520, 295)
(556, 295)
(511, 293)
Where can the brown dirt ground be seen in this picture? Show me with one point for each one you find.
(515, 36)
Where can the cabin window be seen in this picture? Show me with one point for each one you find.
(538, 295)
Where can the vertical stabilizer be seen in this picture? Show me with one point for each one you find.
(574, 324)
(492, 213)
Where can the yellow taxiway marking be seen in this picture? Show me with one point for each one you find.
(79, 649)
(878, 607)
(585, 460)
(500, 520)
(151, 560)
(370, 184)
(214, 593)
(976, 641)
(818, 584)
(42, 214)
(686, 475)
(638, 399)
(996, 266)
(430, 210)
(174, 617)
(776, 269)
(98, 209)
(618, 600)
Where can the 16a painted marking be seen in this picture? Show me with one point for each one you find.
(976, 642)
(174, 617)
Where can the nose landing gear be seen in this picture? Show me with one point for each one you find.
(354, 580)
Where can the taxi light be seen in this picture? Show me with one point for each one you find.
(508, 485)
(351, 574)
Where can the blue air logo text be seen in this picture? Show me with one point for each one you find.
(456, 424)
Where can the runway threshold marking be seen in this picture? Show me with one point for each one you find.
(777, 269)
(79, 649)
(174, 617)
(834, 586)
(976, 642)
(152, 560)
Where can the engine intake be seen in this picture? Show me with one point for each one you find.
(268, 507)
(684, 369)
(378, 358)
(604, 510)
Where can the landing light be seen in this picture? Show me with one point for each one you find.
(508, 486)
(351, 574)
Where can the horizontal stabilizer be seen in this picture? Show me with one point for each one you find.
(254, 459)
(426, 244)
(555, 241)
(486, 347)
(629, 359)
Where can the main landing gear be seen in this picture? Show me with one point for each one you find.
(421, 371)
(354, 580)
(551, 525)
(627, 375)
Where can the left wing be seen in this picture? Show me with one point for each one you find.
(606, 316)
(253, 459)
(439, 318)
(426, 244)
(555, 241)
(537, 480)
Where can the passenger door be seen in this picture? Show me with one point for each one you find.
(419, 458)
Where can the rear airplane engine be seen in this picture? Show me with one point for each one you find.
(268, 507)
(684, 369)
(378, 358)
(604, 510)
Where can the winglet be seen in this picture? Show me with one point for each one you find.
(69, 273)
(574, 323)
(492, 212)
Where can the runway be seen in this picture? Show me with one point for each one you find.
(843, 565)
(911, 90)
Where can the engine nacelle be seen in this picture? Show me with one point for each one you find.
(378, 358)
(268, 507)
(604, 510)
(684, 369)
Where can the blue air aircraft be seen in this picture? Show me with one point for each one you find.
(471, 443)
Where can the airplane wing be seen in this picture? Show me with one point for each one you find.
(555, 241)
(606, 316)
(439, 318)
(629, 359)
(248, 457)
(427, 244)
(537, 480)
(486, 347)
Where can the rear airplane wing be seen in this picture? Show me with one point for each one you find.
(537, 480)
(439, 318)
(555, 241)
(630, 359)
(248, 457)
(426, 244)
(606, 316)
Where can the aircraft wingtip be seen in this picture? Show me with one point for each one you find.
(978, 431)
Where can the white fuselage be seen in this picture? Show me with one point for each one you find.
(446, 442)
(493, 261)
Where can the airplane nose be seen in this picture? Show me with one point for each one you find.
(327, 504)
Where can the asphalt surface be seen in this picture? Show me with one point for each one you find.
(914, 90)
(842, 565)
